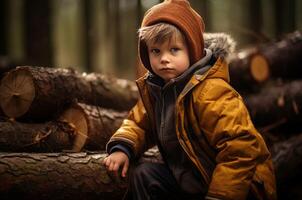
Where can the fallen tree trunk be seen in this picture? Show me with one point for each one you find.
(284, 57)
(110, 92)
(251, 67)
(39, 93)
(80, 126)
(57, 176)
(46, 137)
(2, 115)
(244, 69)
(287, 162)
(94, 125)
(276, 103)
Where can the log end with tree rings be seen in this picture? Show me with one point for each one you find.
(17, 92)
(75, 117)
(259, 68)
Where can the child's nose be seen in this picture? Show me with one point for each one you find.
(165, 58)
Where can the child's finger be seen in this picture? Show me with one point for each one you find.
(111, 166)
(115, 167)
(107, 162)
(125, 168)
(104, 161)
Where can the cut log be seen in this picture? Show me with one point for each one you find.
(2, 115)
(283, 57)
(93, 125)
(245, 72)
(46, 137)
(80, 126)
(39, 94)
(287, 162)
(253, 66)
(286, 158)
(276, 103)
(57, 176)
(110, 92)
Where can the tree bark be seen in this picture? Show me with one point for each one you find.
(110, 92)
(80, 126)
(93, 125)
(251, 67)
(46, 137)
(284, 56)
(275, 103)
(58, 176)
(242, 75)
(37, 93)
(287, 161)
(68, 18)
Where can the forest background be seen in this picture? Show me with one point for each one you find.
(100, 35)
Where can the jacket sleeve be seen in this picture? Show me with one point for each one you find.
(134, 131)
(226, 123)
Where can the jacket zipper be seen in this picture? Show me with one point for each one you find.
(192, 156)
(162, 118)
(196, 162)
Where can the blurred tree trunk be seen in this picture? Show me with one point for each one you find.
(298, 16)
(268, 13)
(287, 161)
(127, 33)
(99, 43)
(68, 33)
(15, 29)
(3, 16)
(112, 24)
(201, 7)
(38, 47)
(237, 17)
(278, 103)
(285, 16)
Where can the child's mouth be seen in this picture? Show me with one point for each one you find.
(167, 69)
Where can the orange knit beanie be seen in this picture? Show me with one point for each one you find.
(180, 14)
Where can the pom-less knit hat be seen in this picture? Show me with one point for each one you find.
(180, 14)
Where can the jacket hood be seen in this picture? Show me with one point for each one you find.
(221, 44)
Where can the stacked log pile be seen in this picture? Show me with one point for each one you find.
(54, 123)
(54, 126)
(270, 80)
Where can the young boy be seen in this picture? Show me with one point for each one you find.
(187, 108)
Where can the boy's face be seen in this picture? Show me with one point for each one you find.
(170, 58)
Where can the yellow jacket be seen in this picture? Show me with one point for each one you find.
(219, 119)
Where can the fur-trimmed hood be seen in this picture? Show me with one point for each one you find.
(221, 44)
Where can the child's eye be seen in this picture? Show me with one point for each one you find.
(155, 51)
(174, 50)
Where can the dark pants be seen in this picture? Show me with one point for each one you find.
(154, 181)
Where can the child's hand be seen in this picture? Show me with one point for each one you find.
(116, 160)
